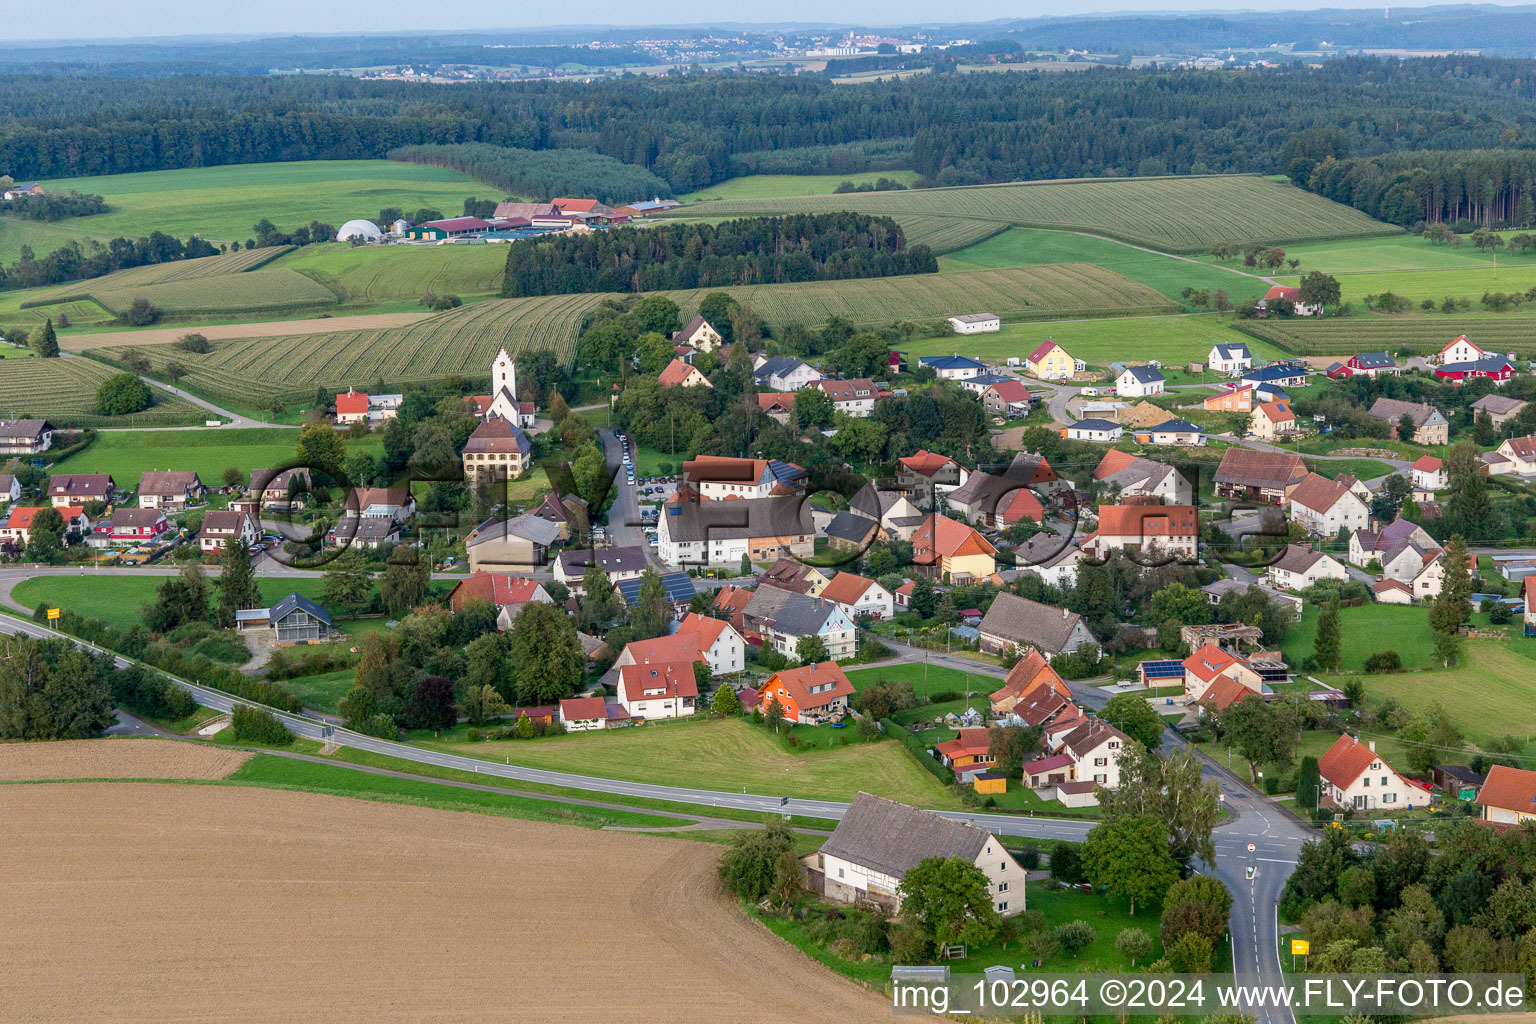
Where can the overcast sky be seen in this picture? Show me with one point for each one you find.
(102, 19)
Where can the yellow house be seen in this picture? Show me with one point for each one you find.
(952, 551)
(1271, 420)
(1050, 362)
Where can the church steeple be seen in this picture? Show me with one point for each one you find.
(504, 374)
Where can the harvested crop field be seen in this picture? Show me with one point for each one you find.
(64, 391)
(144, 902)
(250, 292)
(1171, 214)
(220, 332)
(116, 759)
(1421, 335)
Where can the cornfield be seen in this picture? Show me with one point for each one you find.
(64, 392)
(1170, 214)
(162, 273)
(252, 292)
(1420, 335)
(460, 342)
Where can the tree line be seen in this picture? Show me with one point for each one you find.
(52, 206)
(73, 262)
(1463, 188)
(760, 250)
(543, 174)
(694, 130)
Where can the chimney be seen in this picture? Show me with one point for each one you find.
(1064, 613)
(1372, 745)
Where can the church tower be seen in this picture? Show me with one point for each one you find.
(504, 374)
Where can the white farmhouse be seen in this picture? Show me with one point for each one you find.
(1355, 777)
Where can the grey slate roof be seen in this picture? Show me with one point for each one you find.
(850, 526)
(892, 838)
(1175, 427)
(1498, 405)
(610, 560)
(1298, 558)
(530, 528)
(1236, 350)
(1375, 361)
(1145, 374)
(803, 616)
(778, 366)
(1393, 410)
(296, 601)
(1029, 622)
(1095, 424)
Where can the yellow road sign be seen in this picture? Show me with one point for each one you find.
(1300, 947)
(53, 613)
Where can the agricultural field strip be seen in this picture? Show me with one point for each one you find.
(253, 291)
(162, 273)
(1423, 335)
(65, 390)
(1177, 214)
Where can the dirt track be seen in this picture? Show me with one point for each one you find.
(166, 335)
(116, 759)
(159, 902)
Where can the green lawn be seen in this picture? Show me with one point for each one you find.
(127, 455)
(116, 599)
(1173, 339)
(325, 690)
(1169, 275)
(779, 186)
(925, 679)
(1363, 469)
(1488, 694)
(1366, 630)
(716, 754)
(1515, 276)
(370, 275)
(1385, 253)
(271, 772)
(222, 203)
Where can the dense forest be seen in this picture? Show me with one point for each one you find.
(694, 130)
(71, 262)
(543, 173)
(1492, 187)
(763, 250)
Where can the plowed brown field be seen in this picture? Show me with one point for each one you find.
(116, 759)
(159, 902)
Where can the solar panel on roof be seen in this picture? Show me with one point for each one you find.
(679, 587)
(1162, 669)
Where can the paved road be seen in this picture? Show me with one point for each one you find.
(1276, 837)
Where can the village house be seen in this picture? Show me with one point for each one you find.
(795, 576)
(1516, 455)
(1049, 361)
(854, 397)
(10, 488)
(223, 526)
(583, 714)
(171, 490)
(1495, 368)
(1264, 379)
(719, 477)
(1365, 364)
(683, 375)
(1210, 663)
(1236, 398)
(721, 532)
(1299, 567)
(783, 373)
(859, 596)
(355, 407)
(776, 407)
(521, 542)
(698, 334)
(1324, 507)
(1168, 531)
(1355, 777)
(975, 323)
(895, 513)
(994, 502)
(878, 841)
(1508, 796)
(1272, 420)
(279, 490)
(717, 641)
(567, 511)
(505, 593)
(371, 533)
(1031, 681)
(1429, 426)
(1173, 431)
(1129, 476)
(18, 524)
(496, 450)
(1014, 621)
(1528, 594)
(952, 552)
(293, 620)
(126, 527)
(1499, 408)
(1281, 293)
(952, 367)
(66, 490)
(1096, 747)
(1051, 558)
(658, 690)
(619, 563)
(780, 618)
(1366, 546)
(1230, 359)
(1103, 431)
(1247, 475)
(25, 437)
(678, 587)
(393, 503)
(810, 694)
(1007, 398)
(969, 747)
(925, 475)
(1140, 382)
(1460, 350)
(1428, 474)
(849, 531)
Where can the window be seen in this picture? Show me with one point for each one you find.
(1366, 781)
(1002, 886)
(1101, 778)
(1384, 780)
(839, 872)
(1389, 798)
(1002, 907)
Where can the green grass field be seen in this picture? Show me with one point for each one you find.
(369, 275)
(1487, 694)
(222, 203)
(1169, 275)
(1363, 469)
(269, 771)
(1394, 253)
(1171, 214)
(1172, 339)
(780, 186)
(64, 391)
(127, 455)
(1422, 334)
(1366, 630)
(260, 291)
(925, 679)
(116, 598)
(1418, 285)
(719, 754)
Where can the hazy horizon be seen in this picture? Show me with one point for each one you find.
(115, 22)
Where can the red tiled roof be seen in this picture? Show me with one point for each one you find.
(1426, 464)
(1292, 295)
(1276, 412)
(925, 463)
(679, 647)
(1041, 351)
(1318, 492)
(1048, 764)
(1011, 390)
(846, 588)
(351, 402)
(1508, 788)
(1460, 337)
(1148, 521)
(496, 588)
(1225, 692)
(1113, 462)
(657, 681)
(577, 205)
(771, 400)
(799, 680)
(970, 743)
(1209, 662)
(577, 709)
(1345, 761)
(941, 536)
(677, 372)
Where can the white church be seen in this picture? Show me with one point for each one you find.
(503, 401)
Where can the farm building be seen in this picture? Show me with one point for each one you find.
(355, 407)
(443, 230)
(1460, 350)
(365, 230)
(975, 323)
(293, 620)
(1248, 475)
(1014, 621)
(510, 544)
(1495, 368)
(1281, 294)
